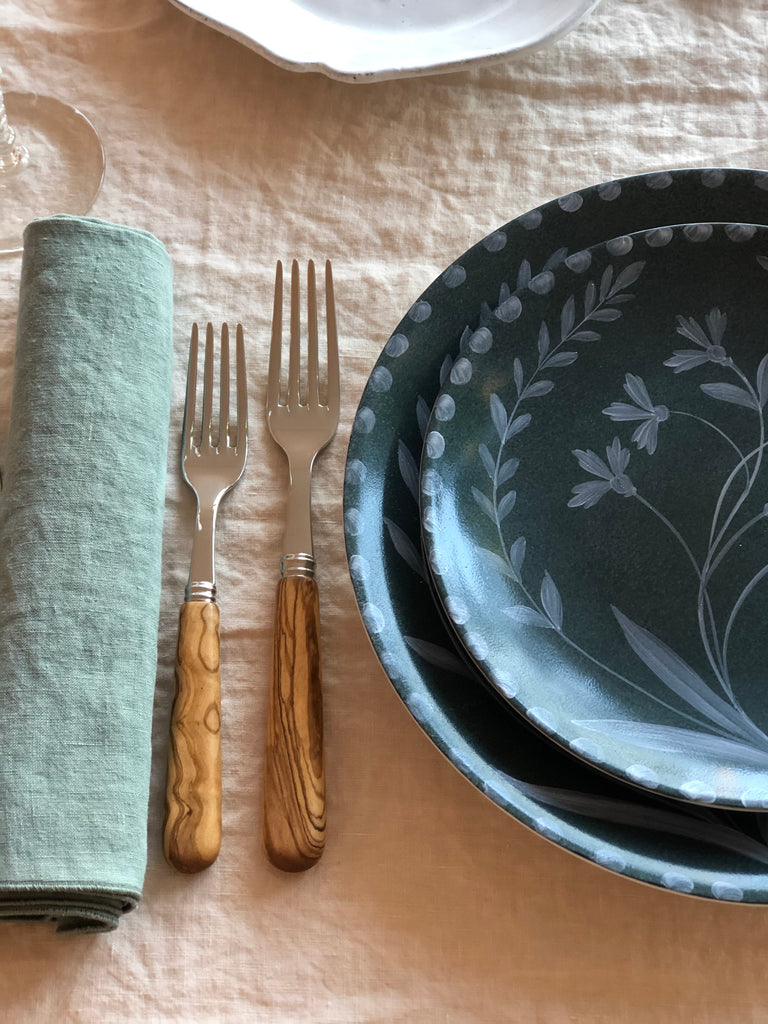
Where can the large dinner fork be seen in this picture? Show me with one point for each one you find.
(212, 462)
(302, 424)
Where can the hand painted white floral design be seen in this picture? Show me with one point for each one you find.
(697, 703)
(647, 434)
(599, 304)
(597, 307)
(724, 716)
(710, 349)
(612, 476)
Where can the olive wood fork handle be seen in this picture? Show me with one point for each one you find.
(192, 828)
(294, 784)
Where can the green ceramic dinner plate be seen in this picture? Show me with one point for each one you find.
(683, 847)
(595, 508)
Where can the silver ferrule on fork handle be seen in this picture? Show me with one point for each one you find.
(200, 590)
(299, 564)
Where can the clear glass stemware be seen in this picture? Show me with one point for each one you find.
(51, 161)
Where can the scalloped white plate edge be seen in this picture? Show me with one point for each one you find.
(294, 38)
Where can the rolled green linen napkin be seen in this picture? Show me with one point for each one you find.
(81, 515)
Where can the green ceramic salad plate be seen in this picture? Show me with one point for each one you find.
(595, 508)
(686, 847)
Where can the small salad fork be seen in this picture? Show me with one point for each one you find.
(302, 423)
(212, 462)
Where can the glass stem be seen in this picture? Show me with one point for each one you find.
(13, 155)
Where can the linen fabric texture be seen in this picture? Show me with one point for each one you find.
(81, 518)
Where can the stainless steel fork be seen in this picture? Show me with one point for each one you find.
(302, 422)
(212, 462)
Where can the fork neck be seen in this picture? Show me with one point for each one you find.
(298, 551)
(201, 585)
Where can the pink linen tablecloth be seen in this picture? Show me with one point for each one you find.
(430, 904)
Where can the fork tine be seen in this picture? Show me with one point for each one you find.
(188, 429)
(333, 398)
(207, 427)
(224, 387)
(242, 391)
(276, 345)
(294, 352)
(313, 369)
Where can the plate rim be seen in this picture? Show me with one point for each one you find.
(224, 16)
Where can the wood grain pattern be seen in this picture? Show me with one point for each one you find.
(192, 828)
(294, 786)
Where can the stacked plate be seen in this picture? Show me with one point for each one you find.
(556, 520)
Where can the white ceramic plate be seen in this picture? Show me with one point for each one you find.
(367, 40)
